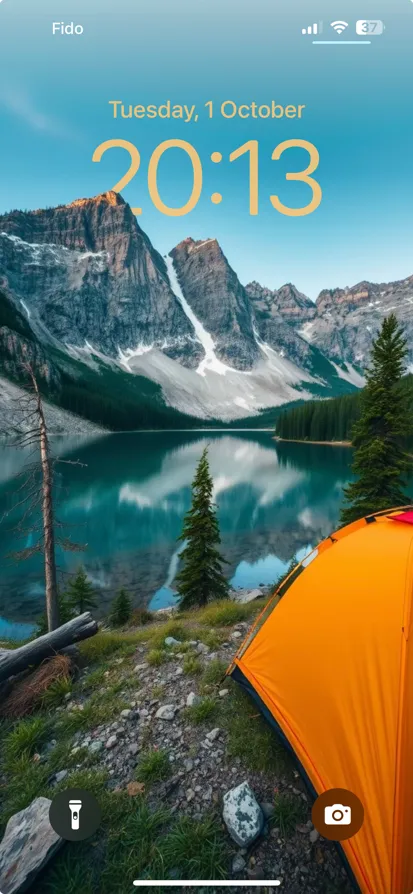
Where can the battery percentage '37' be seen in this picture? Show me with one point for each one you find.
(374, 26)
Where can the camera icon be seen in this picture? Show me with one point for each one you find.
(337, 815)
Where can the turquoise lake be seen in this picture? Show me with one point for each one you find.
(125, 500)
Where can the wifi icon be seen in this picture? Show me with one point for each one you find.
(339, 27)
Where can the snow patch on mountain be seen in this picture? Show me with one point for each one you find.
(349, 374)
(307, 330)
(210, 361)
(25, 308)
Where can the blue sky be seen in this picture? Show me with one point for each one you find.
(54, 111)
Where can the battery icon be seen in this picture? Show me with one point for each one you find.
(369, 26)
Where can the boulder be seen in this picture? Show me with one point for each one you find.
(192, 699)
(166, 712)
(171, 641)
(213, 734)
(28, 844)
(238, 863)
(242, 815)
(243, 596)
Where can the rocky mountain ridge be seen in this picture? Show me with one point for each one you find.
(86, 280)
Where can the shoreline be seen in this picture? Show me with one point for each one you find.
(327, 443)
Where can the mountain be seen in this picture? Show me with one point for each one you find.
(93, 278)
(347, 320)
(130, 339)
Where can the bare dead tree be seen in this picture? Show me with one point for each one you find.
(35, 491)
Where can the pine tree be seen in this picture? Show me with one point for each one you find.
(381, 463)
(121, 609)
(80, 595)
(201, 578)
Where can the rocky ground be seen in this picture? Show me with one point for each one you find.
(158, 720)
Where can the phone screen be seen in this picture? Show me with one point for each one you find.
(206, 347)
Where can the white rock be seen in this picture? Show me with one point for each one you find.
(171, 641)
(126, 713)
(242, 815)
(244, 596)
(223, 692)
(314, 836)
(213, 734)
(166, 712)
(238, 863)
(140, 667)
(202, 649)
(112, 741)
(28, 844)
(236, 634)
(192, 699)
(60, 776)
(96, 746)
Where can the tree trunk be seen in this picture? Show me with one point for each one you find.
(52, 606)
(12, 661)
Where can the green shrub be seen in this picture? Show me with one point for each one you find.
(171, 628)
(153, 766)
(25, 738)
(249, 736)
(196, 849)
(55, 694)
(192, 665)
(156, 657)
(202, 711)
(214, 671)
(105, 643)
(141, 616)
(289, 811)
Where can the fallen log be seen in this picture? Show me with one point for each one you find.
(13, 661)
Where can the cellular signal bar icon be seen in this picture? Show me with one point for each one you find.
(312, 29)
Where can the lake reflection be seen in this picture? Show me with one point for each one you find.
(127, 500)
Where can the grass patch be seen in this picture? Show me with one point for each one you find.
(55, 694)
(107, 642)
(158, 691)
(70, 874)
(214, 672)
(98, 709)
(196, 849)
(211, 638)
(153, 766)
(289, 811)
(140, 617)
(92, 780)
(249, 736)
(192, 665)
(224, 613)
(28, 780)
(158, 635)
(201, 712)
(133, 845)
(95, 679)
(25, 738)
(156, 657)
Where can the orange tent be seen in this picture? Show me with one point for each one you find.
(331, 666)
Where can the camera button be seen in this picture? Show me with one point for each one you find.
(338, 814)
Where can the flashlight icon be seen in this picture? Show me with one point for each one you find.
(75, 808)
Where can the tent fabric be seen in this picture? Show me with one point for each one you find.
(333, 664)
